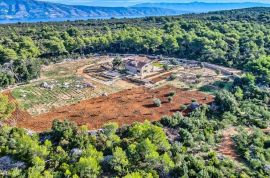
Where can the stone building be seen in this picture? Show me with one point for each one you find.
(141, 66)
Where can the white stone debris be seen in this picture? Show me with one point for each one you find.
(47, 86)
(7, 163)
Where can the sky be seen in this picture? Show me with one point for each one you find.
(133, 2)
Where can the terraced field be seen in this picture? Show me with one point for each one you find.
(37, 100)
(68, 87)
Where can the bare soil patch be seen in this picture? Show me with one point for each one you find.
(124, 108)
(227, 146)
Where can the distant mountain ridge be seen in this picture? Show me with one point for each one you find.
(31, 9)
(198, 7)
(23, 10)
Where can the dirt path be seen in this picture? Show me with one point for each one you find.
(227, 146)
(162, 73)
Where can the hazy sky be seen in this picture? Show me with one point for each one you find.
(132, 2)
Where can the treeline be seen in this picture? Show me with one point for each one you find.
(258, 14)
(233, 42)
(176, 146)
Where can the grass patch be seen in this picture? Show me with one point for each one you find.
(157, 64)
(56, 72)
(218, 85)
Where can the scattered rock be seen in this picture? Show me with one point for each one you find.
(89, 85)
(30, 132)
(66, 85)
(47, 86)
(221, 157)
(193, 106)
(105, 94)
(107, 158)
(76, 152)
(267, 168)
(7, 163)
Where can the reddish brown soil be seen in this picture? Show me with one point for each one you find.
(18, 114)
(227, 146)
(124, 107)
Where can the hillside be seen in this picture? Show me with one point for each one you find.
(197, 7)
(255, 14)
(31, 9)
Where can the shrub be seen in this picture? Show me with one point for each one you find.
(218, 71)
(172, 121)
(171, 93)
(166, 67)
(174, 62)
(194, 101)
(157, 102)
(201, 65)
(170, 99)
(183, 107)
(198, 76)
(226, 101)
(172, 77)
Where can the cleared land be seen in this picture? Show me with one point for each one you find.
(194, 77)
(125, 107)
(68, 79)
(87, 100)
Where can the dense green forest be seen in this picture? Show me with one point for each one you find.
(231, 38)
(176, 146)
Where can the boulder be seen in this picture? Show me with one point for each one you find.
(193, 106)
(7, 163)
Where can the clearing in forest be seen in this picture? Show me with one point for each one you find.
(79, 91)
